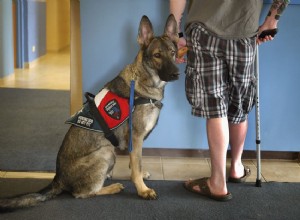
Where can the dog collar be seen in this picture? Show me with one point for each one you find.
(142, 101)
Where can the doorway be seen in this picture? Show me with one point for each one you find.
(41, 31)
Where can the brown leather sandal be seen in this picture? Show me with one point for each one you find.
(247, 173)
(205, 190)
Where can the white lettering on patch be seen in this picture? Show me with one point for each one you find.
(85, 121)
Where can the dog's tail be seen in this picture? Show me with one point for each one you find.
(29, 200)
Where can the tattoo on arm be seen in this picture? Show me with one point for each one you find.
(279, 6)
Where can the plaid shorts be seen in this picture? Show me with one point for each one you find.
(220, 78)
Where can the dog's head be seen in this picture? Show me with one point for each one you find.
(159, 53)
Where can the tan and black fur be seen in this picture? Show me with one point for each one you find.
(86, 157)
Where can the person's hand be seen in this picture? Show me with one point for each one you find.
(267, 38)
(263, 40)
(181, 44)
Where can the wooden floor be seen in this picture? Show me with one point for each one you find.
(53, 72)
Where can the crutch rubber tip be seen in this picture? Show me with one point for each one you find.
(258, 183)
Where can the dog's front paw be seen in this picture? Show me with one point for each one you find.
(149, 194)
(116, 188)
(146, 175)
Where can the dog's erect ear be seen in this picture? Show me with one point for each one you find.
(171, 29)
(145, 31)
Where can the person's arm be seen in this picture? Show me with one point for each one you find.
(270, 23)
(177, 8)
(277, 8)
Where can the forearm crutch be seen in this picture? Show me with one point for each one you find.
(272, 33)
(257, 122)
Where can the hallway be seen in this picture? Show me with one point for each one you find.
(51, 71)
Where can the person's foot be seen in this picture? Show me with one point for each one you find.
(239, 177)
(203, 187)
(236, 170)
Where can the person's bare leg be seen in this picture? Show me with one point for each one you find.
(237, 136)
(218, 138)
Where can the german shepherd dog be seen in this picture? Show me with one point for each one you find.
(86, 157)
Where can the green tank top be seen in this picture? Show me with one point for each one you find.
(229, 19)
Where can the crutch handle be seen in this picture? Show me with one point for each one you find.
(271, 32)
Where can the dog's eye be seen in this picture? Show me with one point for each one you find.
(157, 55)
(173, 52)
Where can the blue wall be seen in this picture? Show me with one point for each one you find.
(280, 80)
(6, 39)
(109, 31)
(36, 15)
(31, 26)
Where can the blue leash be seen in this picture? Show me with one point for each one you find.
(131, 105)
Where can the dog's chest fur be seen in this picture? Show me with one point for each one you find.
(149, 120)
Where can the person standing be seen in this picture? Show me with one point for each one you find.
(221, 37)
